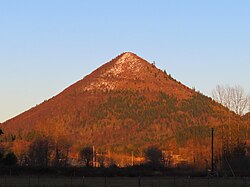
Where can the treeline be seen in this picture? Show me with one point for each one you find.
(236, 163)
(135, 122)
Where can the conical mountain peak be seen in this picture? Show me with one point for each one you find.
(127, 57)
(126, 63)
(130, 72)
(126, 66)
(127, 101)
(128, 54)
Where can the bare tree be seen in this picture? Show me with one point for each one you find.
(239, 100)
(248, 98)
(234, 98)
(248, 117)
(219, 94)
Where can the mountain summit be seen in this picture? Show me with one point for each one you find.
(125, 67)
(129, 71)
(125, 105)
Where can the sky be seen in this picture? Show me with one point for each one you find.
(47, 45)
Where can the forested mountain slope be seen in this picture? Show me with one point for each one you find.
(125, 106)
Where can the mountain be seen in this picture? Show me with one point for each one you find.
(125, 106)
(125, 73)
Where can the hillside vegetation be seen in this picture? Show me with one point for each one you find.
(126, 106)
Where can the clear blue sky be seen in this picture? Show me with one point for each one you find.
(46, 45)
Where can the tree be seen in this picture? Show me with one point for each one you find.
(1, 132)
(61, 152)
(153, 156)
(234, 98)
(10, 159)
(101, 159)
(39, 152)
(86, 154)
(1, 155)
(1, 149)
(239, 100)
(248, 103)
(237, 161)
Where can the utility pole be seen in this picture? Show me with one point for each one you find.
(93, 159)
(212, 147)
(109, 158)
(132, 158)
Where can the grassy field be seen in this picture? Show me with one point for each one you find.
(24, 181)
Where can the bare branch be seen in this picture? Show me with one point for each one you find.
(233, 98)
